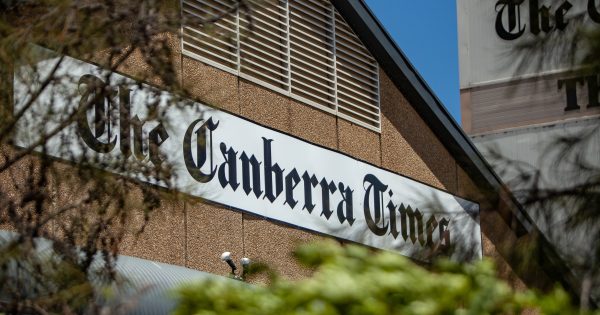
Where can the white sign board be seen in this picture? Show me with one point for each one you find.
(232, 161)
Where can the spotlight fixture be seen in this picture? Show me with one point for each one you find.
(245, 262)
(226, 257)
(245, 266)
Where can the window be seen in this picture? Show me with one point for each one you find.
(301, 48)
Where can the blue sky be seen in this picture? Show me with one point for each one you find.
(426, 33)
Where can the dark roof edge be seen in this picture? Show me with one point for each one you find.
(406, 78)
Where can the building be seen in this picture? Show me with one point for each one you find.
(319, 97)
(524, 93)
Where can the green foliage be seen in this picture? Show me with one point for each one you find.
(355, 280)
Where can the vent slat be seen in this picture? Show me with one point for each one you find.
(370, 99)
(349, 50)
(342, 82)
(322, 49)
(263, 15)
(357, 114)
(254, 33)
(304, 31)
(298, 51)
(350, 77)
(205, 43)
(204, 6)
(268, 62)
(325, 6)
(346, 96)
(356, 67)
(227, 61)
(322, 24)
(202, 34)
(262, 50)
(306, 66)
(218, 24)
(311, 13)
(313, 81)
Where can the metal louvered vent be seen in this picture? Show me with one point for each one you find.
(300, 48)
(312, 47)
(357, 76)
